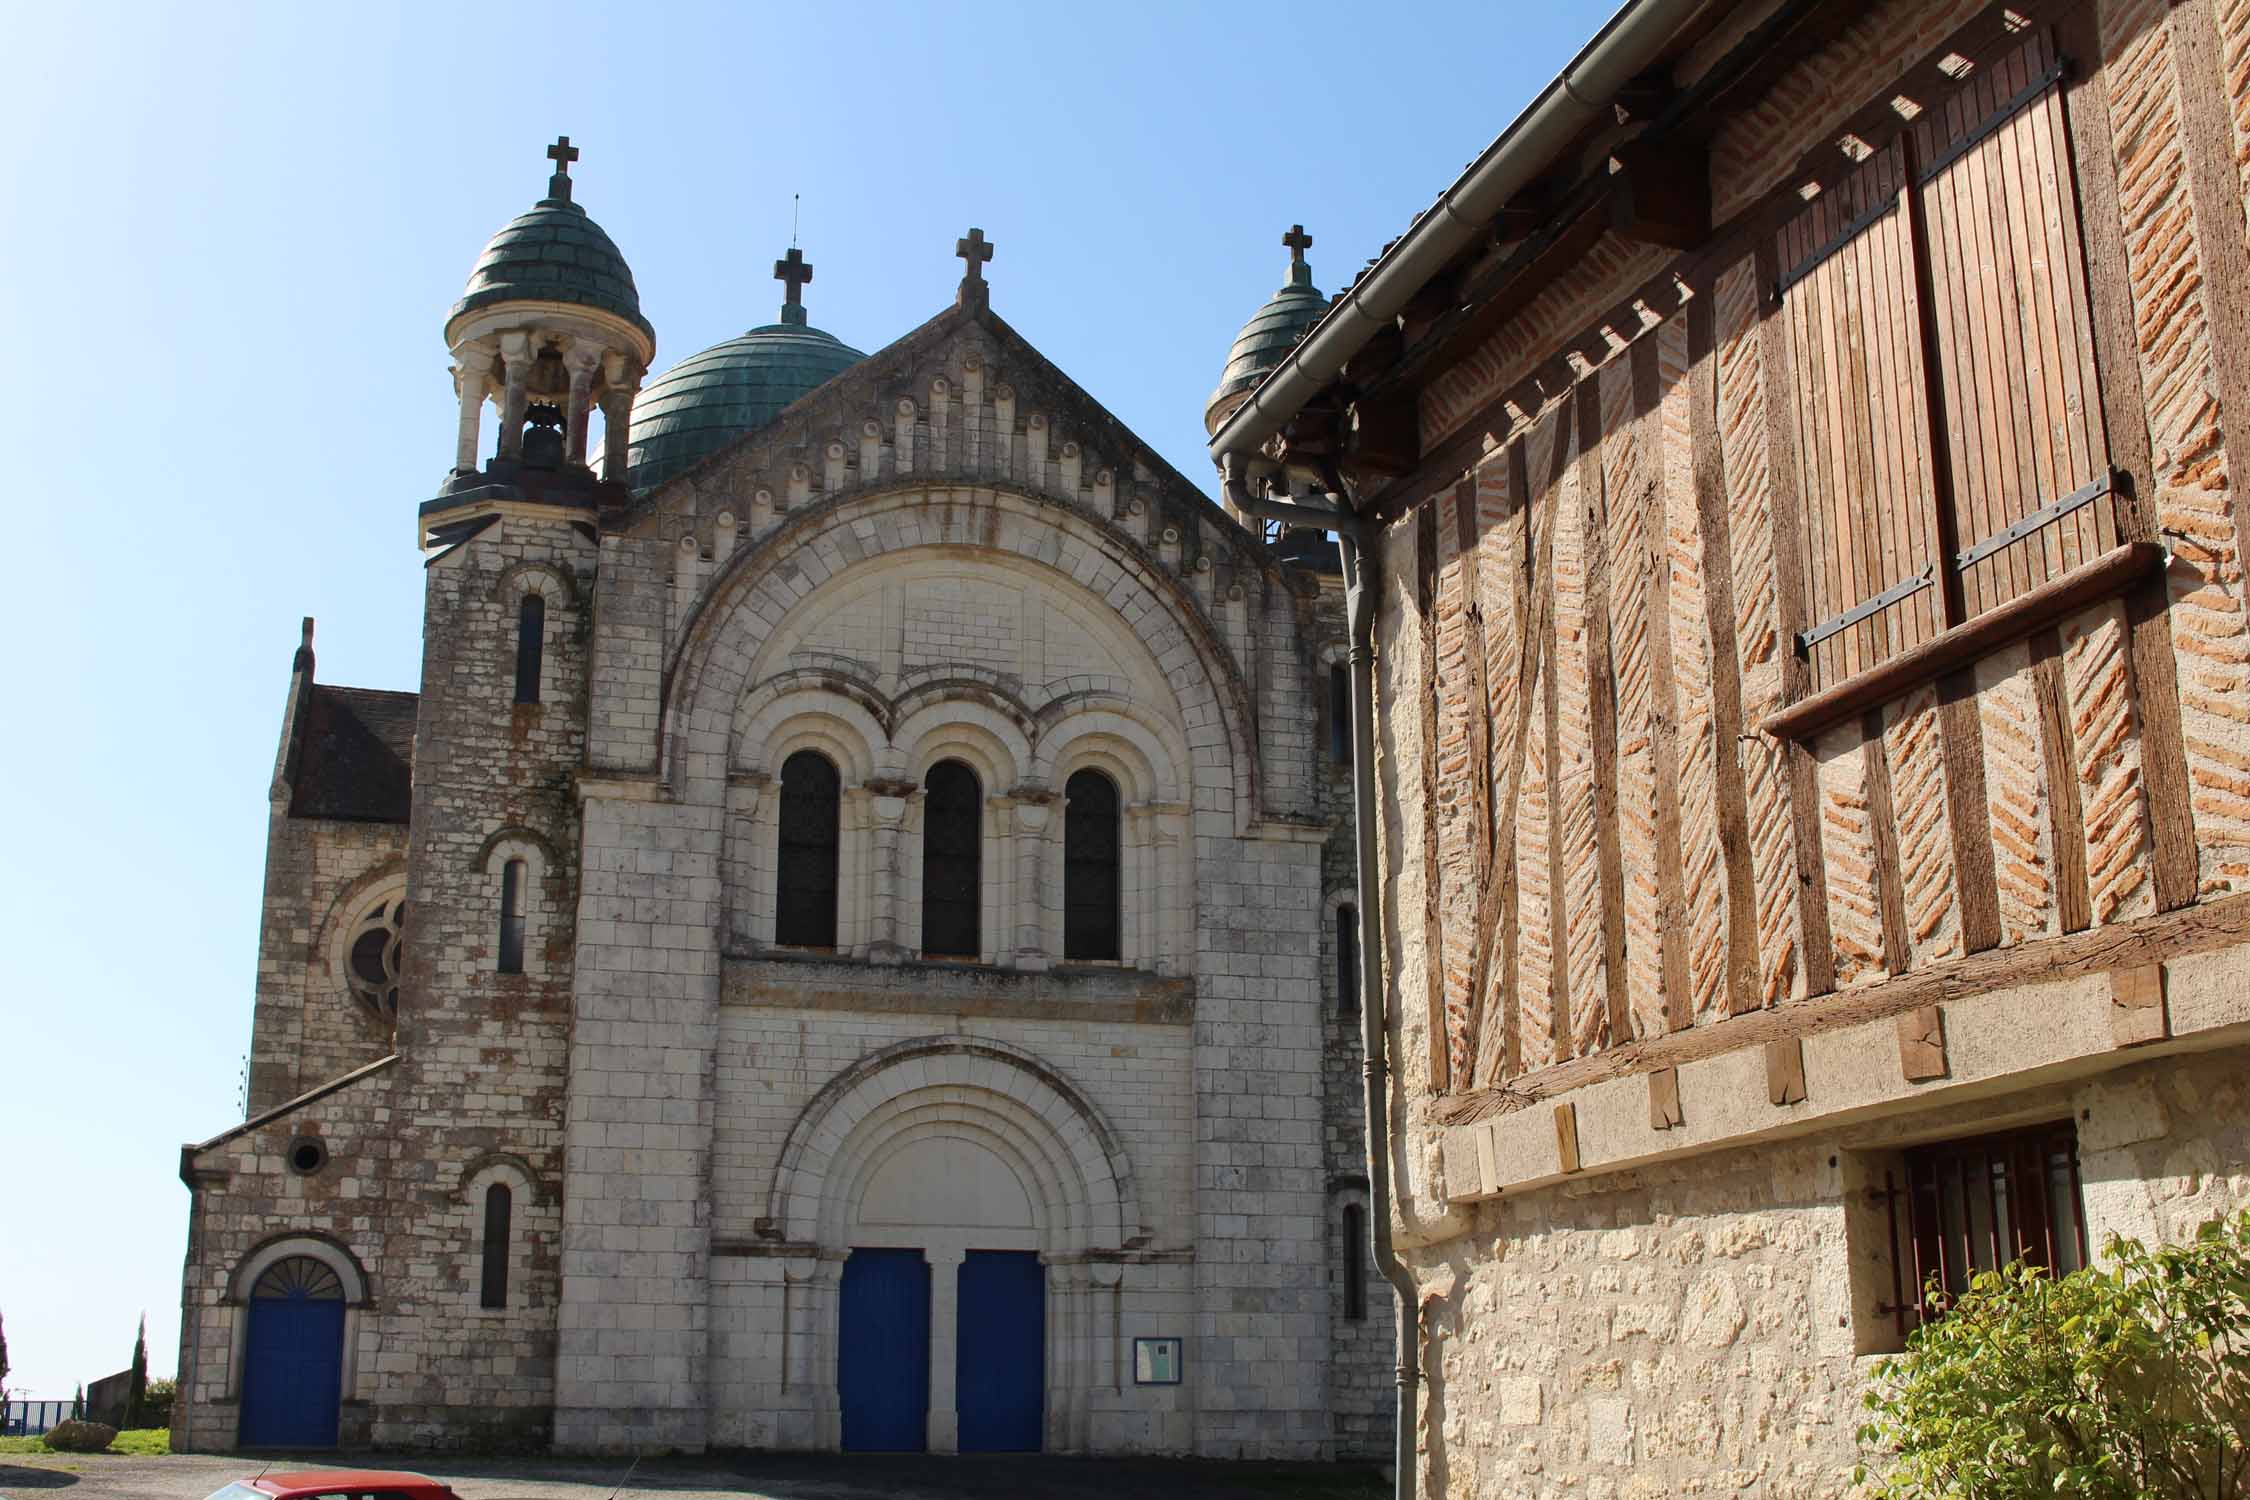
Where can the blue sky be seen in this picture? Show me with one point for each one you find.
(232, 233)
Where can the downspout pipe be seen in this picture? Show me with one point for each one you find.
(1579, 95)
(1336, 514)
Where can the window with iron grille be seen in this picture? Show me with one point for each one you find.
(952, 861)
(1090, 859)
(531, 646)
(1977, 1205)
(511, 917)
(1947, 410)
(805, 893)
(499, 1207)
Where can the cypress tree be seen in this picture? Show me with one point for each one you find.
(137, 1392)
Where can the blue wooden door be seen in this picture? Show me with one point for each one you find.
(1000, 1369)
(883, 1352)
(293, 1371)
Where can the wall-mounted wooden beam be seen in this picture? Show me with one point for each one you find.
(2136, 1005)
(1664, 1111)
(1566, 1136)
(1662, 193)
(2106, 577)
(1785, 1070)
(1921, 1044)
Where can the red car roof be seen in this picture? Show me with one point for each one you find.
(326, 1481)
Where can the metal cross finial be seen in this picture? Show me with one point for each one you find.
(793, 271)
(1298, 242)
(975, 250)
(562, 153)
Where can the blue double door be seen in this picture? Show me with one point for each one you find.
(883, 1352)
(293, 1371)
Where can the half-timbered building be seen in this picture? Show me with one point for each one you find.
(1807, 662)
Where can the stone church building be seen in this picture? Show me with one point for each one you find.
(842, 950)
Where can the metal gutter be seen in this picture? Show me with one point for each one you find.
(1579, 94)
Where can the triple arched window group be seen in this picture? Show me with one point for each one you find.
(952, 860)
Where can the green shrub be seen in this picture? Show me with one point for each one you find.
(2120, 1381)
(156, 1406)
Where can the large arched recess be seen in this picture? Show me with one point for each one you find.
(706, 674)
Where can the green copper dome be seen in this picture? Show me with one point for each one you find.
(553, 253)
(707, 400)
(1273, 330)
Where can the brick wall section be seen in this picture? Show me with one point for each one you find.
(1634, 1334)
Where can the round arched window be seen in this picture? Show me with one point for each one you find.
(372, 958)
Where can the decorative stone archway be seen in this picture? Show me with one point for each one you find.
(1031, 1166)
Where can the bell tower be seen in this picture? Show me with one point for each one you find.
(548, 328)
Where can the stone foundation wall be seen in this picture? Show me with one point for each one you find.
(1699, 1327)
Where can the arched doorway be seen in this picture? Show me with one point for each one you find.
(293, 1356)
(958, 1186)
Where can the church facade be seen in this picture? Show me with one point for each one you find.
(842, 950)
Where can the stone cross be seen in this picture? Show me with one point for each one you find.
(1298, 242)
(562, 153)
(793, 271)
(975, 250)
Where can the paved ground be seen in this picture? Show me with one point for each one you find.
(739, 1477)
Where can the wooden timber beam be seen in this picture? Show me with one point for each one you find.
(1661, 193)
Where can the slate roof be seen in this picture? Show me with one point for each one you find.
(355, 756)
(552, 252)
(709, 399)
(1273, 330)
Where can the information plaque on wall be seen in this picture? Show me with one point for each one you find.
(1156, 1361)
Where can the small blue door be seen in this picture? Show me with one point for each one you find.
(293, 1357)
(1000, 1369)
(883, 1352)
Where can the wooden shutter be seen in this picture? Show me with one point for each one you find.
(1873, 579)
(952, 861)
(2012, 335)
(805, 894)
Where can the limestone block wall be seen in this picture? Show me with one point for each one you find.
(772, 1307)
(635, 1259)
(306, 1026)
(244, 1197)
(1693, 1327)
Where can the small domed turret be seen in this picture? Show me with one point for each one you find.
(1273, 330)
(551, 324)
(709, 399)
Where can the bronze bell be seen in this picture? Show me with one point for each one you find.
(542, 436)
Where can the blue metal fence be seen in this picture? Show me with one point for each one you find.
(30, 1418)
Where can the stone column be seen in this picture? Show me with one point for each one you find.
(945, 1323)
(515, 348)
(619, 384)
(887, 945)
(578, 411)
(472, 379)
(1034, 814)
